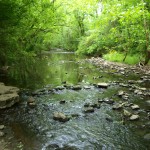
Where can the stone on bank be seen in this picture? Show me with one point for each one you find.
(8, 96)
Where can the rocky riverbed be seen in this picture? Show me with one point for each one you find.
(119, 67)
(107, 101)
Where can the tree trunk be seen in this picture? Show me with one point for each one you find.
(125, 56)
(147, 58)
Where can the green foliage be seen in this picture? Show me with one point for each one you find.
(25, 27)
(89, 26)
(120, 26)
(118, 57)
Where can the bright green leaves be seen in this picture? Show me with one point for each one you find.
(120, 26)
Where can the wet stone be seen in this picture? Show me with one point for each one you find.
(60, 88)
(89, 110)
(109, 119)
(147, 136)
(134, 117)
(125, 97)
(77, 87)
(108, 101)
(120, 93)
(60, 117)
(75, 115)
(138, 92)
(135, 107)
(31, 102)
(102, 85)
(2, 134)
(100, 101)
(87, 105)
(52, 146)
(62, 102)
(126, 113)
(148, 102)
(117, 107)
(2, 127)
(87, 87)
(32, 105)
(95, 105)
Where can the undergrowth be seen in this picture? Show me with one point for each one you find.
(118, 57)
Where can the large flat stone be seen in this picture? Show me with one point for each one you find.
(7, 89)
(7, 100)
(8, 96)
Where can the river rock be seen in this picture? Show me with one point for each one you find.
(102, 85)
(60, 117)
(60, 88)
(95, 105)
(2, 133)
(87, 105)
(62, 102)
(147, 136)
(117, 107)
(108, 101)
(89, 110)
(135, 107)
(148, 102)
(134, 117)
(8, 96)
(76, 87)
(87, 87)
(31, 102)
(120, 93)
(126, 113)
(2, 127)
(138, 92)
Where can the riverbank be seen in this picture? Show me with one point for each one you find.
(137, 69)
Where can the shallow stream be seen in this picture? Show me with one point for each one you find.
(104, 129)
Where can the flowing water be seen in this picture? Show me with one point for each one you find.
(104, 129)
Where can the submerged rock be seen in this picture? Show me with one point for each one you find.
(8, 96)
(134, 117)
(147, 136)
(87, 105)
(95, 105)
(60, 117)
(89, 110)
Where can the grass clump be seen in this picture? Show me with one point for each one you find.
(118, 57)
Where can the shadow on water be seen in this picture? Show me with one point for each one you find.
(103, 129)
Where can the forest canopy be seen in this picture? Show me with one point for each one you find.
(90, 27)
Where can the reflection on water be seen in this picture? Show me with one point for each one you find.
(53, 68)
